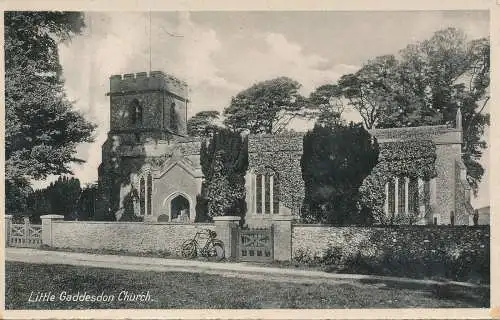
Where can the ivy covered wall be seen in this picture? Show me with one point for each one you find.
(410, 158)
(280, 153)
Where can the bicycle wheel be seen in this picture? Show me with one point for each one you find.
(215, 251)
(188, 249)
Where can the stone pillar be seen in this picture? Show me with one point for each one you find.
(47, 227)
(282, 237)
(249, 193)
(224, 227)
(433, 197)
(8, 222)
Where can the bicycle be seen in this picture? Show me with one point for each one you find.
(213, 248)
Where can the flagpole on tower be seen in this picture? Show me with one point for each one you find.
(150, 43)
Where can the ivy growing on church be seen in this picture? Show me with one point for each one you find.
(280, 154)
(412, 159)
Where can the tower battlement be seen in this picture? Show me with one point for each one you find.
(142, 81)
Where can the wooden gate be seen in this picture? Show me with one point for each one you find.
(256, 245)
(25, 234)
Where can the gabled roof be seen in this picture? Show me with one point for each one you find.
(182, 163)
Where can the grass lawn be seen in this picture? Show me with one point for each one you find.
(197, 290)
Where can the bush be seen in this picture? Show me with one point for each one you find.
(334, 164)
(454, 253)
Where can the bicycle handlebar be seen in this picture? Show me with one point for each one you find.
(211, 234)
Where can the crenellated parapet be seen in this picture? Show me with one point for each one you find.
(152, 81)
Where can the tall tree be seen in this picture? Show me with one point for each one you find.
(425, 85)
(326, 103)
(447, 72)
(42, 130)
(88, 202)
(366, 90)
(203, 123)
(334, 164)
(224, 194)
(60, 197)
(224, 162)
(265, 107)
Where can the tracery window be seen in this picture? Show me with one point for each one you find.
(136, 112)
(403, 195)
(142, 197)
(145, 195)
(413, 195)
(149, 190)
(267, 193)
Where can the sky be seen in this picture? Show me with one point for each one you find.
(221, 53)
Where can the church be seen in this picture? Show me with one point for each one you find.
(152, 168)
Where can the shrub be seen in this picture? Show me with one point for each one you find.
(455, 253)
(334, 164)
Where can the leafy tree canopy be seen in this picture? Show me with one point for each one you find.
(202, 123)
(265, 107)
(41, 129)
(60, 197)
(326, 104)
(425, 85)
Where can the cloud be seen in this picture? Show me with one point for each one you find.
(117, 43)
(271, 55)
(215, 68)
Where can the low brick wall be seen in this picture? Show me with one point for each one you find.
(126, 236)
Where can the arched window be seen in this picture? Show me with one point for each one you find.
(149, 190)
(142, 197)
(401, 195)
(267, 193)
(258, 193)
(276, 194)
(404, 195)
(413, 195)
(136, 113)
(173, 117)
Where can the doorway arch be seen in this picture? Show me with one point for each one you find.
(179, 207)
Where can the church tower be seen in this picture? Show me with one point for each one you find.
(146, 106)
(147, 112)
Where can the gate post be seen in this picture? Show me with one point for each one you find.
(47, 227)
(282, 233)
(224, 226)
(8, 222)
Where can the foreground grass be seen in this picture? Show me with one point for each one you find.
(193, 290)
